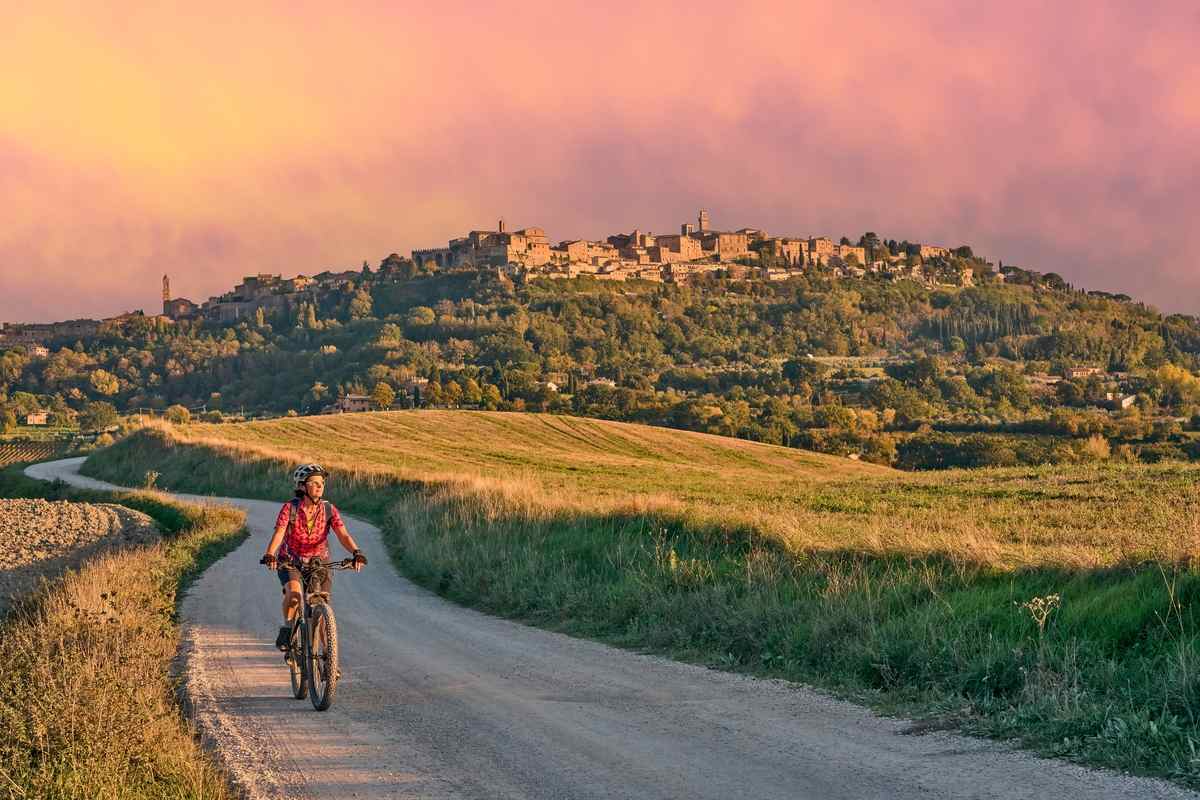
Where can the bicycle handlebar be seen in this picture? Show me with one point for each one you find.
(345, 563)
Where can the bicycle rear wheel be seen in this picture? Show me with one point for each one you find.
(295, 662)
(323, 657)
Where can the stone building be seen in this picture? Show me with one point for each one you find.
(677, 248)
(439, 257)
(821, 249)
(13, 334)
(253, 286)
(793, 251)
(180, 308)
(727, 246)
(32, 333)
(845, 251)
(528, 246)
(348, 404)
(587, 252)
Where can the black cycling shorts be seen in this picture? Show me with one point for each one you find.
(292, 574)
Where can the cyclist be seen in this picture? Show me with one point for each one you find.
(302, 528)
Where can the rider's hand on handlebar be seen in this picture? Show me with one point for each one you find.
(360, 560)
(269, 560)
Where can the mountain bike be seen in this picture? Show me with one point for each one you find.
(312, 654)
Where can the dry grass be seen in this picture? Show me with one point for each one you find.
(536, 465)
(86, 704)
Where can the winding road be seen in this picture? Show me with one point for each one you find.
(439, 701)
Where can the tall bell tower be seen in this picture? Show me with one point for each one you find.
(166, 292)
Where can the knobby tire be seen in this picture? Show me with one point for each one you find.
(322, 661)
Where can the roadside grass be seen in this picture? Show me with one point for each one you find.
(1051, 607)
(87, 705)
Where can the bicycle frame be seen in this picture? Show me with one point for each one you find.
(308, 571)
(312, 575)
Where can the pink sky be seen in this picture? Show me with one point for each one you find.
(212, 143)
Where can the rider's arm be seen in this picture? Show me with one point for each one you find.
(276, 540)
(339, 528)
(281, 524)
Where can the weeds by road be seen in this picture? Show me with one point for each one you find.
(86, 703)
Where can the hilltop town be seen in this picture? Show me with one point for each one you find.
(696, 252)
(698, 249)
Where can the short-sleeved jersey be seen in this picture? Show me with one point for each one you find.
(307, 529)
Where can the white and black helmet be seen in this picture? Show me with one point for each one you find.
(306, 471)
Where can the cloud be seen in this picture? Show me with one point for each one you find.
(206, 145)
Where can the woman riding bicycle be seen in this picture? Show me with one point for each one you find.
(303, 527)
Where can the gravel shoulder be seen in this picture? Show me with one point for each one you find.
(41, 539)
(438, 701)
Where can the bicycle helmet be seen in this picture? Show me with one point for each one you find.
(306, 471)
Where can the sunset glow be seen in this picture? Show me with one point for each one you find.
(209, 143)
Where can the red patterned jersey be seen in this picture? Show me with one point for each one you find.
(307, 529)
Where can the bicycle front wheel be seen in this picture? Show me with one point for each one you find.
(323, 657)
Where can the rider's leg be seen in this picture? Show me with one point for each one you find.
(289, 579)
(291, 601)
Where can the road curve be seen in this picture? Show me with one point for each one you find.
(438, 701)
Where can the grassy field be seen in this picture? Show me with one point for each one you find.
(1053, 606)
(86, 702)
(1075, 517)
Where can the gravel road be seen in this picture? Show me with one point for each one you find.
(39, 538)
(438, 701)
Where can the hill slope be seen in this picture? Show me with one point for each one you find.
(597, 458)
(1081, 516)
(725, 357)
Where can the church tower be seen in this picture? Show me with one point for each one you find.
(166, 292)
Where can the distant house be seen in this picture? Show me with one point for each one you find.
(37, 418)
(1074, 373)
(354, 402)
(180, 308)
(1118, 401)
(38, 351)
(348, 404)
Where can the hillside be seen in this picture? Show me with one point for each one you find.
(1079, 516)
(899, 372)
(587, 457)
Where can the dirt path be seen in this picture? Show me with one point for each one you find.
(438, 701)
